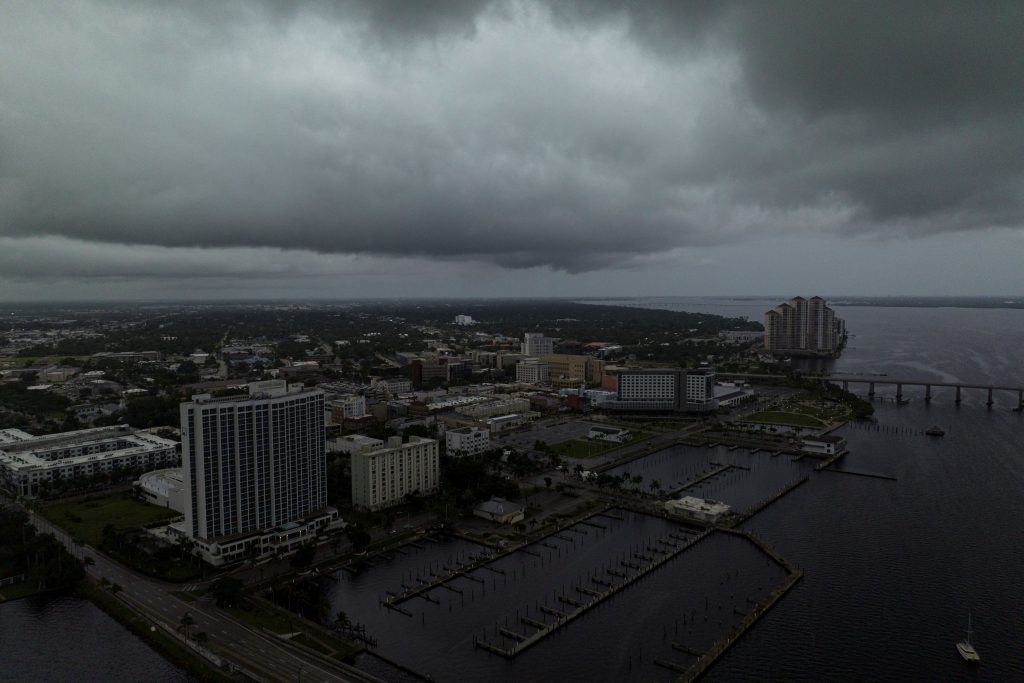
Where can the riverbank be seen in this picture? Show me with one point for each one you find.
(145, 630)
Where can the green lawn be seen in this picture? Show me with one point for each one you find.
(785, 418)
(85, 519)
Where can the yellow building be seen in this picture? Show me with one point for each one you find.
(567, 371)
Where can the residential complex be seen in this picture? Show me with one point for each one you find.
(802, 327)
(254, 463)
(29, 464)
(383, 474)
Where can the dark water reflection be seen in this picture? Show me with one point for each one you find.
(57, 638)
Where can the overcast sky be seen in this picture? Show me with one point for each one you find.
(193, 149)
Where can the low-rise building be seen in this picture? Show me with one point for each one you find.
(505, 423)
(501, 511)
(700, 509)
(467, 441)
(165, 488)
(609, 434)
(28, 462)
(383, 476)
(823, 445)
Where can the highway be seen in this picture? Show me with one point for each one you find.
(263, 658)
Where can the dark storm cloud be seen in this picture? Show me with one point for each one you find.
(577, 135)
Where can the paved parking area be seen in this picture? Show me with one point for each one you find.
(550, 432)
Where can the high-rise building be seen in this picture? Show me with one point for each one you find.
(384, 474)
(251, 463)
(532, 371)
(536, 344)
(802, 327)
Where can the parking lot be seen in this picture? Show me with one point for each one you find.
(550, 432)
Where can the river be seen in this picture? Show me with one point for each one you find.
(891, 568)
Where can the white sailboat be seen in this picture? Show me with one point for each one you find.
(966, 648)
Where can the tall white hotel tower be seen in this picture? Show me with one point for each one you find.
(252, 462)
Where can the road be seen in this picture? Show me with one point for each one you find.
(261, 657)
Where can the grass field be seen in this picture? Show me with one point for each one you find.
(85, 519)
(785, 418)
(585, 448)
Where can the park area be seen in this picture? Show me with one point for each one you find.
(85, 519)
(802, 412)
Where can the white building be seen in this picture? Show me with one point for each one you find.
(532, 371)
(823, 445)
(700, 509)
(255, 467)
(27, 461)
(467, 441)
(536, 344)
(653, 389)
(505, 423)
(392, 386)
(700, 390)
(464, 320)
(383, 476)
(165, 488)
(346, 407)
(353, 443)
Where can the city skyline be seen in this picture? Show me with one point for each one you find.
(525, 148)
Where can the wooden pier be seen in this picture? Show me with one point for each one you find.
(718, 648)
(563, 618)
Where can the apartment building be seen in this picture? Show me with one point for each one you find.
(254, 464)
(382, 476)
(28, 462)
(802, 327)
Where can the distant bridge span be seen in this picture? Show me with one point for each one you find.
(899, 382)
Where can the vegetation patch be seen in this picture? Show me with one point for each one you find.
(786, 418)
(86, 519)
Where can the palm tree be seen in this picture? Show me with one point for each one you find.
(341, 620)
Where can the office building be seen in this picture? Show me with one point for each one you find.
(536, 344)
(30, 464)
(382, 476)
(802, 327)
(255, 470)
(567, 371)
(467, 441)
(464, 320)
(532, 371)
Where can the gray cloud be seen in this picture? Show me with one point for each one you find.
(580, 136)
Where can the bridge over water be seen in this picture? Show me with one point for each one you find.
(899, 382)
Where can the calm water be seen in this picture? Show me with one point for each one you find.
(63, 638)
(691, 599)
(893, 568)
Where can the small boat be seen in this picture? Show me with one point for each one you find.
(935, 430)
(966, 648)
